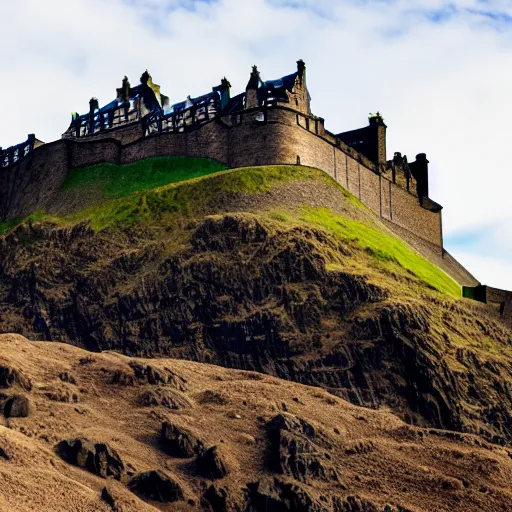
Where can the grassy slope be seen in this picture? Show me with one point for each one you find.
(118, 181)
(186, 189)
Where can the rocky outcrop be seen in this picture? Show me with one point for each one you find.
(12, 377)
(180, 442)
(17, 406)
(168, 398)
(298, 450)
(211, 464)
(97, 458)
(156, 486)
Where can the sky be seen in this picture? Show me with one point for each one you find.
(439, 72)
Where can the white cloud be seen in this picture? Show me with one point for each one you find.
(442, 87)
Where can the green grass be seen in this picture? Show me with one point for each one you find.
(382, 246)
(190, 198)
(117, 181)
(7, 225)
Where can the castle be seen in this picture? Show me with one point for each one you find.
(270, 123)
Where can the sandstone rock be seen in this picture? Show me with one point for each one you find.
(17, 406)
(180, 442)
(97, 458)
(156, 486)
(167, 398)
(211, 464)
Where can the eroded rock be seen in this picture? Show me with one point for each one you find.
(179, 441)
(156, 376)
(296, 449)
(168, 398)
(17, 406)
(156, 486)
(212, 464)
(10, 377)
(275, 495)
(97, 458)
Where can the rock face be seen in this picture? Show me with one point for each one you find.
(298, 450)
(156, 486)
(243, 293)
(180, 442)
(17, 406)
(97, 458)
(212, 464)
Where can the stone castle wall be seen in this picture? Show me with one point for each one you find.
(284, 137)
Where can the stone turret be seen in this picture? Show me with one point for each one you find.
(251, 91)
(378, 130)
(419, 170)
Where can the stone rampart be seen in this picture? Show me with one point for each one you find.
(276, 135)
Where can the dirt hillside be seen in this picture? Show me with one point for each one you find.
(111, 432)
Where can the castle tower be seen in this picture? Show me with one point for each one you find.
(419, 170)
(378, 131)
(251, 91)
(224, 89)
(300, 97)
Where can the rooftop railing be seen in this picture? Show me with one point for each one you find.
(16, 153)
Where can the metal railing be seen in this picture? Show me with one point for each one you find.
(16, 153)
(181, 121)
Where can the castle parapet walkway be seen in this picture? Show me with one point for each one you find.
(14, 154)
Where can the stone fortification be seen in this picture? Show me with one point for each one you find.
(270, 123)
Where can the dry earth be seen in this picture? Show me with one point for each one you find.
(281, 446)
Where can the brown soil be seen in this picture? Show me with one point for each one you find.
(376, 459)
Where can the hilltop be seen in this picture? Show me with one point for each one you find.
(177, 435)
(272, 269)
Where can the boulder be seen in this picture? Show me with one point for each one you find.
(97, 458)
(211, 464)
(216, 499)
(17, 406)
(179, 441)
(156, 486)
(10, 377)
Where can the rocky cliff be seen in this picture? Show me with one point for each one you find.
(271, 270)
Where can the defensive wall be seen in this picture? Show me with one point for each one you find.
(499, 300)
(270, 124)
(281, 136)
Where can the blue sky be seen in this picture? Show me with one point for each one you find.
(440, 72)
